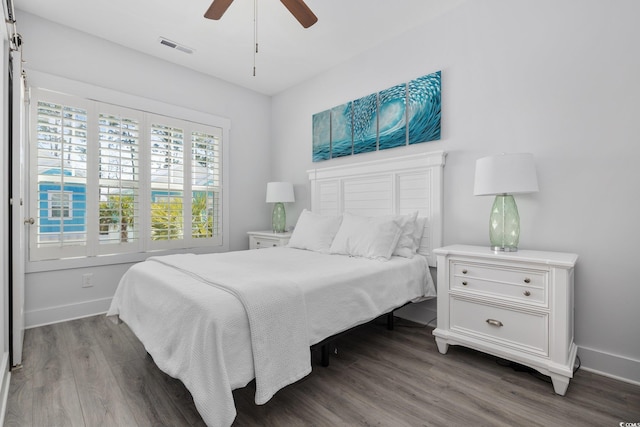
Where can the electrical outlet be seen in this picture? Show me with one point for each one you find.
(87, 280)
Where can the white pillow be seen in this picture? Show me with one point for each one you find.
(367, 237)
(405, 247)
(314, 232)
(417, 235)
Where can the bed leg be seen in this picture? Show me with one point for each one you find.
(324, 355)
(390, 321)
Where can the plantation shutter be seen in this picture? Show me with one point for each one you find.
(206, 183)
(59, 173)
(110, 180)
(118, 179)
(167, 183)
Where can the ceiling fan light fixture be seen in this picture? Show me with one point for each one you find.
(298, 9)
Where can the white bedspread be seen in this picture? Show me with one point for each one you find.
(200, 333)
(276, 310)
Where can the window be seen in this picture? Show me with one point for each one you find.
(119, 178)
(167, 178)
(60, 205)
(111, 180)
(205, 185)
(61, 167)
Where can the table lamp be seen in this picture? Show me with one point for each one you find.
(503, 175)
(279, 193)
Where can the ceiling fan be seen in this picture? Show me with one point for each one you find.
(298, 9)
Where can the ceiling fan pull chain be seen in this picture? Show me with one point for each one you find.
(255, 34)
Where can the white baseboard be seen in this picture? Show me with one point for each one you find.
(62, 313)
(4, 386)
(610, 365)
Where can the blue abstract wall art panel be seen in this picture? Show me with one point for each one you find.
(322, 136)
(424, 108)
(404, 114)
(365, 124)
(392, 122)
(341, 134)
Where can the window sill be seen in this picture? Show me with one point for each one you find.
(103, 260)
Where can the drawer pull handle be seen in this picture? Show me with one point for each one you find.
(527, 293)
(494, 322)
(274, 245)
(464, 271)
(527, 280)
(464, 283)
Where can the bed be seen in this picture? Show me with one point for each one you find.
(218, 321)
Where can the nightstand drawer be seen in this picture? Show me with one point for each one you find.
(267, 239)
(263, 242)
(521, 330)
(522, 285)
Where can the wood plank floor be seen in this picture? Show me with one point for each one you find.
(90, 372)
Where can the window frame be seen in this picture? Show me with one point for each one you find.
(145, 248)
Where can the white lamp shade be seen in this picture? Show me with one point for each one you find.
(505, 174)
(280, 192)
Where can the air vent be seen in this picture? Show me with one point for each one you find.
(174, 45)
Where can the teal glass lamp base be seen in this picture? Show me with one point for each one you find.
(504, 224)
(278, 218)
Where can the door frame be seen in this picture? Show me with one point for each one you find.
(17, 192)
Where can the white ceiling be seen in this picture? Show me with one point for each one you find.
(288, 53)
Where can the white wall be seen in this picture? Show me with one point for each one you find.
(558, 79)
(60, 51)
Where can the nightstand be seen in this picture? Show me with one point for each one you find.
(514, 305)
(267, 239)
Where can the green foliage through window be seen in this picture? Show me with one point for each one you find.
(117, 210)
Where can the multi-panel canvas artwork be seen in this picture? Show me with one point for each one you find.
(322, 136)
(365, 124)
(404, 114)
(423, 116)
(341, 135)
(392, 125)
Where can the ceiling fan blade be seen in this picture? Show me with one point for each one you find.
(217, 9)
(301, 11)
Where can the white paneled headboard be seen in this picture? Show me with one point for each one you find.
(399, 185)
